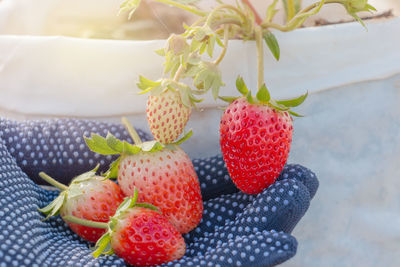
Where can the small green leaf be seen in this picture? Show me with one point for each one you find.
(145, 83)
(210, 46)
(98, 144)
(263, 94)
(370, 7)
(295, 114)
(203, 48)
(112, 172)
(272, 43)
(271, 11)
(293, 102)
(241, 86)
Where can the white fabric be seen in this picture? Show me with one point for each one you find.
(82, 77)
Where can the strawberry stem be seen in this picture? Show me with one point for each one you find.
(226, 39)
(52, 181)
(256, 15)
(73, 219)
(134, 135)
(260, 57)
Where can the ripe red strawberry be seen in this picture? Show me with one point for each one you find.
(163, 174)
(88, 197)
(255, 138)
(167, 116)
(138, 234)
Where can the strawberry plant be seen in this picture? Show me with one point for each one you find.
(255, 133)
(164, 175)
(88, 197)
(138, 233)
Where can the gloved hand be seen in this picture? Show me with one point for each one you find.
(236, 229)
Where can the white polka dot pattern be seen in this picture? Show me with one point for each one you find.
(236, 229)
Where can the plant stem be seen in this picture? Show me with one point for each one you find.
(290, 10)
(184, 7)
(226, 6)
(226, 40)
(53, 182)
(134, 135)
(256, 15)
(178, 73)
(84, 222)
(260, 57)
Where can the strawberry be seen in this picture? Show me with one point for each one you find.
(164, 175)
(167, 116)
(138, 234)
(255, 138)
(89, 197)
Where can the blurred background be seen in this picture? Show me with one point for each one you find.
(74, 58)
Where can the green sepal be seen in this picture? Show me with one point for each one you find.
(146, 85)
(293, 102)
(148, 206)
(241, 86)
(295, 114)
(160, 52)
(99, 145)
(54, 207)
(86, 176)
(272, 43)
(184, 138)
(102, 244)
(228, 99)
(263, 94)
(249, 98)
(112, 172)
(278, 106)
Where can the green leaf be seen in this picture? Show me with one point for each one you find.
(293, 102)
(241, 86)
(160, 52)
(112, 172)
(98, 144)
(102, 244)
(184, 138)
(131, 5)
(272, 43)
(114, 143)
(263, 94)
(271, 11)
(370, 7)
(86, 176)
(295, 114)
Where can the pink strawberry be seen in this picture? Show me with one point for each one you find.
(167, 116)
(255, 138)
(138, 234)
(163, 174)
(89, 197)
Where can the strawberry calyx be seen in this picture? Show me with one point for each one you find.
(103, 245)
(110, 145)
(263, 97)
(71, 191)
(160, 86)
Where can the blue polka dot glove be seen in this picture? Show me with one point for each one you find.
(236, 229)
